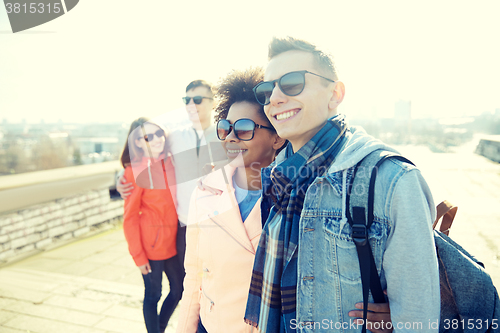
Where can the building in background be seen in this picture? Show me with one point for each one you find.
(33, 147)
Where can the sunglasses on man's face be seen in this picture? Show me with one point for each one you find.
(150, 137)
(196, 99)
(244, 129)
(291, 84)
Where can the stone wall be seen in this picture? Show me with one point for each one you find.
(44, 209)
(42, 226)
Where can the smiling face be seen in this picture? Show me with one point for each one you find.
(261, 149)
(200, 114)
(299, 118)
(155, 146)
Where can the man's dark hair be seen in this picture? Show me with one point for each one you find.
(237, 87)
(324, 62)
(200, 83)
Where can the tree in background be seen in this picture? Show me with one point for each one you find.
(13, 157)
(77, 157)
(49, 155)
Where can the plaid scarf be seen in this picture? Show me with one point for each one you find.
(273, 289)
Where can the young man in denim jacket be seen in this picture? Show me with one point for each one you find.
(306, 275)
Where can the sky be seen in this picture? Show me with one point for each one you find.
(117, 60)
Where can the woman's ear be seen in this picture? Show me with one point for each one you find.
(278, 142)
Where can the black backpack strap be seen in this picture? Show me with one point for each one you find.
(359, 214)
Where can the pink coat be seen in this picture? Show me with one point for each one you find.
(219, 259)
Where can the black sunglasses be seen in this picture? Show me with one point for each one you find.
(244, 129)
(291, 84)
(196, 99)
(150, 137)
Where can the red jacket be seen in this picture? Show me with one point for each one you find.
(150, 218)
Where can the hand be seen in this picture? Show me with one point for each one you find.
(124, 188)
(204, 187)
(377, 318)
(145, 269)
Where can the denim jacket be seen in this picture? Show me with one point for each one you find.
(329, 283)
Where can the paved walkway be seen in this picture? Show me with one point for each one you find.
(87, 286)
(93, 285)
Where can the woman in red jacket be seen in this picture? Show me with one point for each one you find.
(150, 219)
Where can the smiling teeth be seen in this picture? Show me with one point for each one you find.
(232, 151)
(286, 115)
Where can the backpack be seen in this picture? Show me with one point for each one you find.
(469, 300)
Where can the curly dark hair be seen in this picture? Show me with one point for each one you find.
(237, 87)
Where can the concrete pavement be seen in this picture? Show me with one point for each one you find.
(92, 285)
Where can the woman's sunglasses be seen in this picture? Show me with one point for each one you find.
(150, 137)
(196, 99)
(244, 129)
(291, 84)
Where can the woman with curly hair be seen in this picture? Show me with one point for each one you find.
(224, 230)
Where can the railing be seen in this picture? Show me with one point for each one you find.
(489, 147)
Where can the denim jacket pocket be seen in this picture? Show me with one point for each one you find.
(344, 256)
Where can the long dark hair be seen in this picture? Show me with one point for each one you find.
(132, 149)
